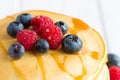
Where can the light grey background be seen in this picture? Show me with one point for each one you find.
(102, 15)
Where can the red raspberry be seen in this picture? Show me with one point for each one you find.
(53, 35)
(114, 73)
(27, 38)
(40, 21)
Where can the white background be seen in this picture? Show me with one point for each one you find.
(102, 15)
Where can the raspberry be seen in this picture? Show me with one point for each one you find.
(53, 35)
(114, 73)
(27, 38)
(40, 21)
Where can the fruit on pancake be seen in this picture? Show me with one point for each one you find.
(39, 22)
(71, 43)
(53, 35)
(41, 46)
(27, 38)
(63, 26)
(25, 19)
(13, 28)
(16, 51)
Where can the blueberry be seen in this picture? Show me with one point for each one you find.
(25, 19)
(13, 28)
(16, 51)
(63, 26)
(71, 43)
(42, 46)
(113, 59)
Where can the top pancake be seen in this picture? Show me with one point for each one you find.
(56, 64)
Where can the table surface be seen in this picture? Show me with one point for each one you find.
(102, 15)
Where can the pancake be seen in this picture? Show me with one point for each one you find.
(87, 64)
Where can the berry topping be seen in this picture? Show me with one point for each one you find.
(71, 43)
(40, 21)
(42, 46)
(16, 51)
(13, 28)
(114, 73)
(25, 19)
(63, 26)
(27, 38)
(52, 35)
(113, 60)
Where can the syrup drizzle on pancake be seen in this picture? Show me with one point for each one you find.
(41, 64)
(83, 70)
(61, 65)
